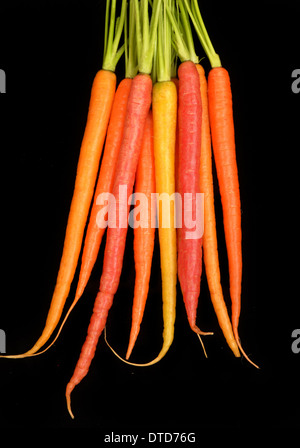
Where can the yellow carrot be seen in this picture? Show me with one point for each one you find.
(164, 107)
(164, 128)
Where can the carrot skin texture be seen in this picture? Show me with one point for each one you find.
(210, 244)
(144, 234)
(101, 100)
(223, 139)
(189, 148)
(96, 229)
(139, 102)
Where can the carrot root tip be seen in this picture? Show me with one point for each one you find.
(203, 348)
(242, 350)
(68, 399)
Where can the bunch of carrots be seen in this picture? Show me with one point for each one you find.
(158, 130)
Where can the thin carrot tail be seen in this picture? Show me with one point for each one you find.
(102, 305)
(238, 341)
(168, 339)
(191, 313)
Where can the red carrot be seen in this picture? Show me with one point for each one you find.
(189, 243)
(144, 232)
(138, 107)
(187, 166)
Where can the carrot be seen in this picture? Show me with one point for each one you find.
(97, 223)
(222, 129)
(144, 232)
(210, 244)
(188, 165)
(139, 102)
(91, 148)
(223, 140)
(189, 144)
(102, 95)
(164, 125)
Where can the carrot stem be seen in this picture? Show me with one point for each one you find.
(112, 54)
(202, 33)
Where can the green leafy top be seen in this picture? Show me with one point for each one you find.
(164, 44)
(193, 9)
(112, 35)
(146, 33)
(131, 64)
(182, 39)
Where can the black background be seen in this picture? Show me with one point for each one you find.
(50, 52)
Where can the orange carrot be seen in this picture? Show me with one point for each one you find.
(102, 95)
(144, 232)
(101, 100)
(98, 215)
(223, 140)
(222, 129)
(210, 244)
(97, 221)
